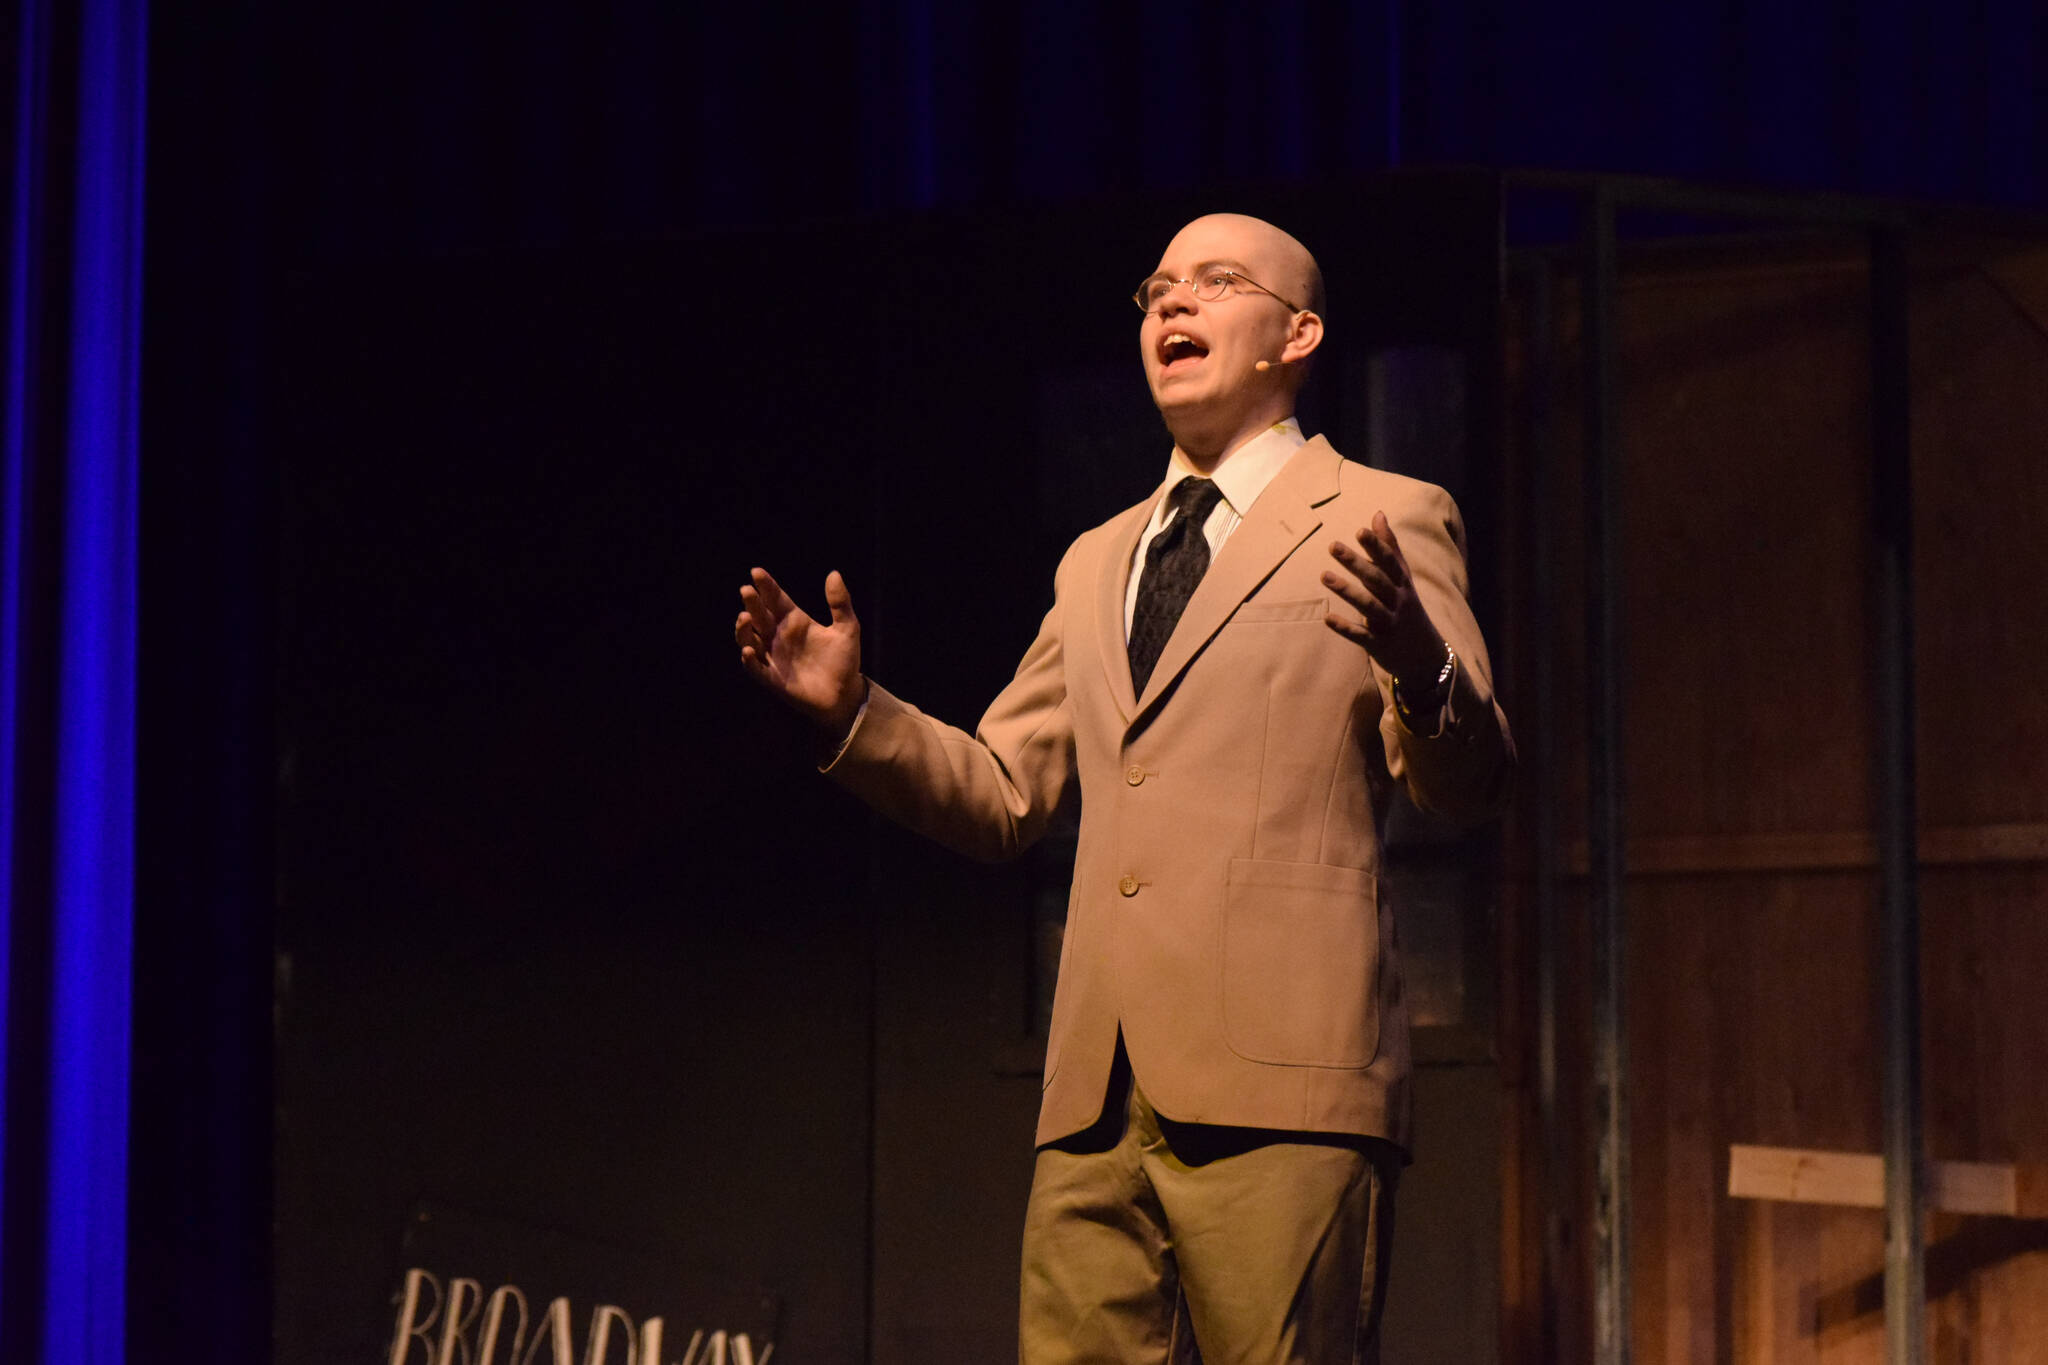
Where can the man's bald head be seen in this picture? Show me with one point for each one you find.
(1297, 277)
(1235, 315)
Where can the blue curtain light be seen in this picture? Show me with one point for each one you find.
(67, 919)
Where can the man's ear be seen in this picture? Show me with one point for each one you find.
(1307, 334)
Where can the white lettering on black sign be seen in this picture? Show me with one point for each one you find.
(459, 1325)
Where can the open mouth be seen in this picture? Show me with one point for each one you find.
(1176, 348)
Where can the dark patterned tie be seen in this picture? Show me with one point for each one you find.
(1174, 563)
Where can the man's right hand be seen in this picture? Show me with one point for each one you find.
(812, 666)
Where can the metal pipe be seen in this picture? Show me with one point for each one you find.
(1539, 453)
(1905, 1176)
(1604, 787)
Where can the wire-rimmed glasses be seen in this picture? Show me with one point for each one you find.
(1209, 284)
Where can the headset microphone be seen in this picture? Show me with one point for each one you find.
(1265, 365)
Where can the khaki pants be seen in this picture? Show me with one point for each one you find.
(1162, 1243)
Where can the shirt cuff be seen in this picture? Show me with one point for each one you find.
(825, 765)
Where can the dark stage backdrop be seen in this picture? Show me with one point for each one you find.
(566, 941)
(586, 983)
(534, 121)
(371, 150)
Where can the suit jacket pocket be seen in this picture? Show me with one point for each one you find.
(1300, 609)
(1301, 965)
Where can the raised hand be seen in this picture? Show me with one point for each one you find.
(1392, 624)
(813, 666)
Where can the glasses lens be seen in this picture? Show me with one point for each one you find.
(1152, 292)
(1212, 285)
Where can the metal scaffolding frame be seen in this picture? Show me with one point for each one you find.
(1886, 227)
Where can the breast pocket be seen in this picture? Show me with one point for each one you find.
(1301, 964)
(1274, 613)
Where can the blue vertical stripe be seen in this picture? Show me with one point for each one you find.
(93, 873)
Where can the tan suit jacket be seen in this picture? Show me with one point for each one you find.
(1226, 909)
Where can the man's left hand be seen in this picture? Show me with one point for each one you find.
(1390, 622)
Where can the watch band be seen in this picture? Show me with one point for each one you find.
(1436, 700)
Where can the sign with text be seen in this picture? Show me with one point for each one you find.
(481, 1291)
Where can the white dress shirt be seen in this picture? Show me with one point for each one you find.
(1242, 475)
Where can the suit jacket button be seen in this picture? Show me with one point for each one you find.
(1129, 885)
(1135, 775)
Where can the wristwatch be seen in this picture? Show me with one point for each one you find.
(1434, 703)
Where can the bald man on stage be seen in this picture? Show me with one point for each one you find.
(1238, 672)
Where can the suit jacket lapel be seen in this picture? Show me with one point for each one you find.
(1284, 516)
(1112, 582)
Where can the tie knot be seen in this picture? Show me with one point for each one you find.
(1195, 498)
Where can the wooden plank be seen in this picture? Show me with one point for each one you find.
(1980, 1187)
(1832, 851)
(1969, 846)
(1752, 926)
(1805, 1176)
(2031, 1192)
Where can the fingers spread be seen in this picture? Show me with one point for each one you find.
(1377, 614)
(747, 634)
(1366, 581)
(1350, 627)
(839, 600)
(1376, 586)
(780, 602)
(1380, 543)
(1369, 553)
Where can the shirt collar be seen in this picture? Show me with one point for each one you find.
(1244, 473)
